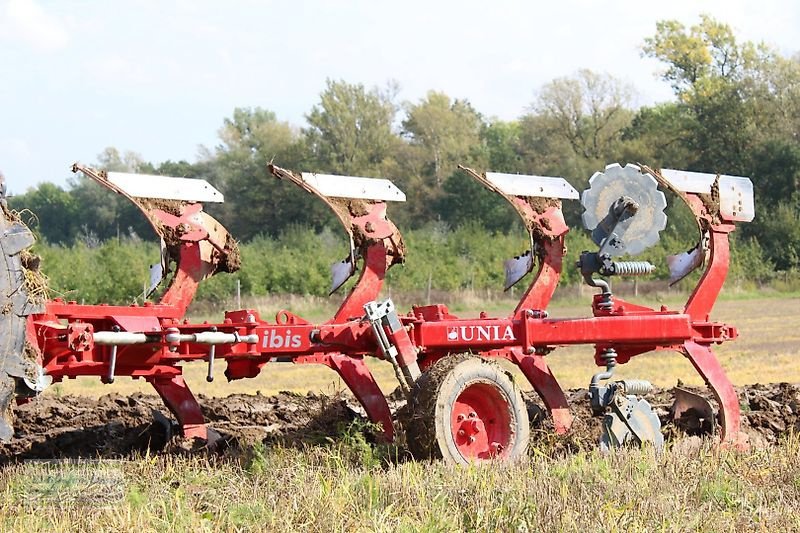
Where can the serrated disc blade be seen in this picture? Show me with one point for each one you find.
(607, 187)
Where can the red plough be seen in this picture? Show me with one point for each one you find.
(461, 407)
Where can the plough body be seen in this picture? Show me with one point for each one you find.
(460, 407)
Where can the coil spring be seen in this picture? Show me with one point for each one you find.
(606, 304)
(609, 355)
(637, 387)
(633, 268)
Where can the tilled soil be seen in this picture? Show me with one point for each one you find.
(118, 426)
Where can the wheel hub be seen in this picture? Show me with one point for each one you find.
(480, 422)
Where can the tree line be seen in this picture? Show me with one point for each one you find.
(736, 110)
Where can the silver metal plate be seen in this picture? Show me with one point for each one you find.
(736, 198)
(735, 192)
(354, 187)
(166, 188)
(686, 181)
(539, 186)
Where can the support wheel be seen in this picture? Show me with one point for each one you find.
(466, 409)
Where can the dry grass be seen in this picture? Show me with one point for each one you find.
(767, 351)
(348, 486)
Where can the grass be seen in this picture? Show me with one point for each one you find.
(767, 350)
(340, 487)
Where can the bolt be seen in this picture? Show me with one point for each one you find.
(460, 418)
(529, 313)
(471, 440)
(472, 414)
(461, 432)
(530, 350)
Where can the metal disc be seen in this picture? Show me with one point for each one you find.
(607, 187)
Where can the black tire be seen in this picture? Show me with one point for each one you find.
(441, 399)
(16, 304)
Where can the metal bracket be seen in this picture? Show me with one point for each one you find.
(382, 315)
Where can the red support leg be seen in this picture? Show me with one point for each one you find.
(546, 386)
(182, 403)
(714, 375)
(363, 385)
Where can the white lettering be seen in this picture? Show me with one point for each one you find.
(273, 339)
(480, 333)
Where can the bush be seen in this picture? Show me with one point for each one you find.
(298, 262)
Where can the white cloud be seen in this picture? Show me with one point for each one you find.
(28, 21)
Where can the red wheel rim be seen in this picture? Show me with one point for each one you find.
(481, 422)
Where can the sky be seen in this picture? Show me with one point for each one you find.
(158, 77)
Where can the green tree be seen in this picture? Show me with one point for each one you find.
(589, 110)
(775, 171)
(701, 57)
(723, 85)
(256, 202)
(778, 232)
(445, 133)
(52, 212)
(659, 136)
(502, 144)
(466, 202)
(112, 160)
(350, 129)
(441, 134)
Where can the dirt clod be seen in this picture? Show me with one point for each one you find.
(119, 426)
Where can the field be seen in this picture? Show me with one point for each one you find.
(320, 471)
